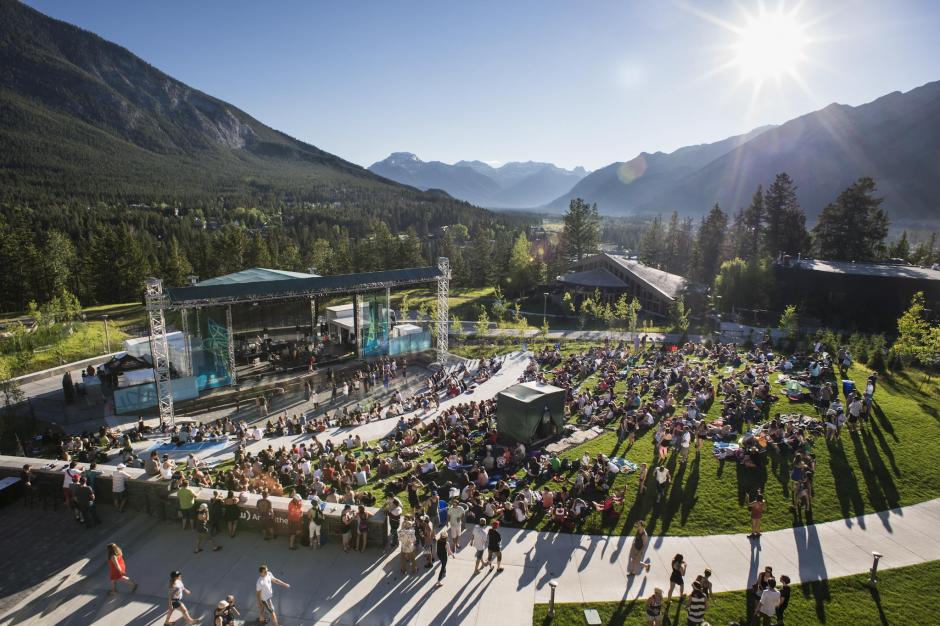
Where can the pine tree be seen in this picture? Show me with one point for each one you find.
(653, 244)
(785, 219)
(519, 271)
(854, 227)
(710, 244)
(901, 248)
(176, 267)
(581, 233)
(753, 227)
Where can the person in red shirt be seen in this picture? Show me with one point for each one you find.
(117, 570)
(295, 513)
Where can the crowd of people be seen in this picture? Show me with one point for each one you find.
(458, 473)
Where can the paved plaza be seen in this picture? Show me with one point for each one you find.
(330, 587)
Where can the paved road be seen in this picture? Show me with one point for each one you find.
(329, 587)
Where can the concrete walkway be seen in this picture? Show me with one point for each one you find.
(329, 587)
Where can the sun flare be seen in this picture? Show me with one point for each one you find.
(769, 45)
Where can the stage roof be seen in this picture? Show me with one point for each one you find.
(253, 275)
(267, 287)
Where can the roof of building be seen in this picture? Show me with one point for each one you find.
(867, 269)
(669, 285)
(266, 287)
(530, 391)
(253, 275)
(598, 277)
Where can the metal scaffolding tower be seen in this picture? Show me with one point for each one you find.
(231, 343)
(443, 309)
(187, 348)
(159, 349)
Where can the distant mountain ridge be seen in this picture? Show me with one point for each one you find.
(81, 117)
(509, 186)
(894, 139)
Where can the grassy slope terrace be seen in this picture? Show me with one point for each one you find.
(906, 595)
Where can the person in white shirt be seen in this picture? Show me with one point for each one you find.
(767, 605)
(479, 543)
(662, 476)
(119, 487)
(264, 590)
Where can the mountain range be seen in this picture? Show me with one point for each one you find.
(81, 117)
(512, 185)
(894, 139)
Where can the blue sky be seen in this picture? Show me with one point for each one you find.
(574, 83)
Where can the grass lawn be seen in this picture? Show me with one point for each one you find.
(883, 467)
(905, 595)
(87, 340)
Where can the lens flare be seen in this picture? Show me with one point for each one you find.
(632, 170)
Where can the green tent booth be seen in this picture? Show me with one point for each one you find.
(530, 412)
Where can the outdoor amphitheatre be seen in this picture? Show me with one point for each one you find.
(470, 313)
(737, 454)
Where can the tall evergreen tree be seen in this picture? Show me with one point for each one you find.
(854, 227)
(752, 232)
(176, 267)
(581, 234)
(653, 244)
(785, 219)
(710, 245)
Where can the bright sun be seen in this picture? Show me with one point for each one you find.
(769, 45)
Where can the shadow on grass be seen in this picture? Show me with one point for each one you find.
(850, 498)
(882, 492)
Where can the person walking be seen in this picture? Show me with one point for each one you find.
(202, 529)
(85, 499)
(232, 512)
(479, 542)
(295, 515)
(117, 571)
(362, 529)
(348, 520)
(315, 522)
(494, 546)
(756, 506)
(394, 511)
(654, 608)
(676, 578)
(443, 551)
(119, 487)
(264, 590)
(408, 542)
(640, 542)
(177, 591)
(266, 514)
(663, 477)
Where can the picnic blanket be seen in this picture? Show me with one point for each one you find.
(626, 466)
(723, 450)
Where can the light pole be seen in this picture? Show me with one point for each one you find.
(551, 601)
(544, 307)
(873, 572)
(107, 337)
